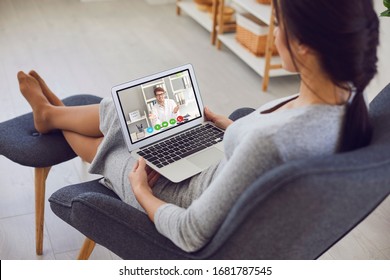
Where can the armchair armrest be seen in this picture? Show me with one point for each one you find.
(101, 216)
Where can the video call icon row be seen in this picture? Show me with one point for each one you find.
(164, 124)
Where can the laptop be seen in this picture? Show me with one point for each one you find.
(162, 120)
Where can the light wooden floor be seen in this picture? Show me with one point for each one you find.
(88, 48)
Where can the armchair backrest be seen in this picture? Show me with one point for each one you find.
(300, 209)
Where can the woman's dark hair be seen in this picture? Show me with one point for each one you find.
(345, 35)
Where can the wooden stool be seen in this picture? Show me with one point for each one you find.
(21, 143)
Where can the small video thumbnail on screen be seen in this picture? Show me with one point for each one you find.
(159, 105)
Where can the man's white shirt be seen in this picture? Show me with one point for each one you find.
(164, 113)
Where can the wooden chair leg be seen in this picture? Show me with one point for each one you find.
(220, 21)
(269, 49)
(214, 22)
(178, 10)
(40, 186)
(87, 249)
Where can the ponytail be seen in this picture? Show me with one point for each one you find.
(357, 129)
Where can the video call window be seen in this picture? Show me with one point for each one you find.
(159, 105)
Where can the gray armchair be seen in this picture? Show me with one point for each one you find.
(295, 211)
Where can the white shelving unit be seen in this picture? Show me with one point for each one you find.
(262, 12)
(255, 62)
(178, 93)
(203, 18)
(208, 20)
(140, 119)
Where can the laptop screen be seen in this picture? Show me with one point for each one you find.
(158, 105)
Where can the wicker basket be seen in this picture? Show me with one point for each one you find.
(203, 5)
(252, 34)
(264, 1)
(204, 2)
(228, 14)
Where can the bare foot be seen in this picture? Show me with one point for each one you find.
(53, 99)
(32, 91)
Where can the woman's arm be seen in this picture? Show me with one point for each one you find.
(142, 179)
(191, 228)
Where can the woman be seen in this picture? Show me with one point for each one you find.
(331, 43)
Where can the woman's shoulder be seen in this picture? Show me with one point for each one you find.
(320, 115)
(315, 131)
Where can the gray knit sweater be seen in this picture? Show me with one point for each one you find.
(253, 145)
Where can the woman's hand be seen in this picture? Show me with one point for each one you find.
(219, 120)
(142, 177)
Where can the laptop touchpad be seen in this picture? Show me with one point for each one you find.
(207, 157)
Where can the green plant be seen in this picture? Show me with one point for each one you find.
(386, 13)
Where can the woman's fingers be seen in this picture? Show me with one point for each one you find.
(140, 164)
(148, 169)
(152, 175)
(153, 179)
(208, 114)
(135, 167)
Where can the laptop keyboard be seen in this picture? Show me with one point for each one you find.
(182, 145)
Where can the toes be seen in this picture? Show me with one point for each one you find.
(27, 82)
(22, 79)
(34, 74)
(38, 78)
(25, 77)
(21, 76)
